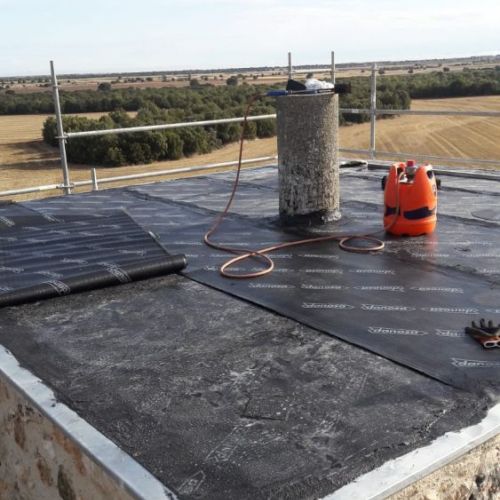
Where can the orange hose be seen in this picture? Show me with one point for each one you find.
(261, 254)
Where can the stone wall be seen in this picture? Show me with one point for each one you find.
(474, 476)
(38, 461)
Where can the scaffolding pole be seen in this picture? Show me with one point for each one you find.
(60, 131)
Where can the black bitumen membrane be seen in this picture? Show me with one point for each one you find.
(44, 256)
(221, 398)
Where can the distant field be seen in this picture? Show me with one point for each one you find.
(26, 161)
(217, 79)
(453, 136)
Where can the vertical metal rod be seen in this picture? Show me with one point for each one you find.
(333, 67)
(373, 111)
(60, 130)
(93, 175)
(290, 72)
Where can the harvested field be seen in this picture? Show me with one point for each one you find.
(26, 161)
(453, 136)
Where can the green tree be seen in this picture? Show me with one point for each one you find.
(138, 153)
(49, 131)
(175, 145)
(250, 130)
(266, 128)
(114, 157)
(104, 87)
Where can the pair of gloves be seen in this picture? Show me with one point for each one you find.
(487, 334)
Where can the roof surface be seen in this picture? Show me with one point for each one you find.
(222, 398)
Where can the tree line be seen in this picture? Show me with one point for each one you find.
(205, 102)
(439, 84)
(423, 85)
(186, 105)
(180, 105)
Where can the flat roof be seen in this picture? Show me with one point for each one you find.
(232, 390)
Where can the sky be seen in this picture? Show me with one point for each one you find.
(154, 35)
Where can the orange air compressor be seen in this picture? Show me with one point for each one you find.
(410, 190)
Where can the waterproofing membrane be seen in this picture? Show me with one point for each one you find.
(392, 304)
(14, 215)
(232, 401)
(488, 214)
(46, 256)
(221, 399)
(410, 303)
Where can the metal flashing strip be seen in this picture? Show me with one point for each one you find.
(132, 476)
(396, 474)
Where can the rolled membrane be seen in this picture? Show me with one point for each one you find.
(109, 275)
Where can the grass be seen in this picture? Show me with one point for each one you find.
(26, 161)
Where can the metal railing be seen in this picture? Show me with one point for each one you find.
(182, 170)
(163, 126)
(67, 186)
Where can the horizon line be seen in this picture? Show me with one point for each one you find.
(343, 65)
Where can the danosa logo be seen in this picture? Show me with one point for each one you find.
(382, 330)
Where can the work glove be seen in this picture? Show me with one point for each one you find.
(487, 334)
